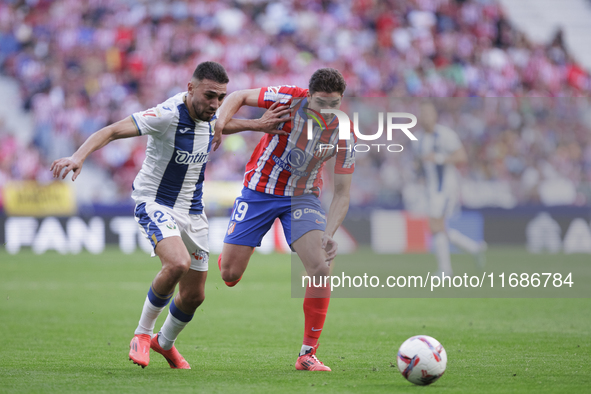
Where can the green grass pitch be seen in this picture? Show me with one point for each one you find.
(66, 323)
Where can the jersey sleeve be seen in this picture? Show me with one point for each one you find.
(154, 121)
(284, 94)
(345, 161)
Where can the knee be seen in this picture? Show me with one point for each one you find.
(319, 270)
(230, 275)
(179, 266)
(231, 267)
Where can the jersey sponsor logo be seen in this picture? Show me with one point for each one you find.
(150, 112)
(314, 211)
(183, 131)
(282, 164)
(298, 213)
(166, 108)
(296, 157)
(183, 157)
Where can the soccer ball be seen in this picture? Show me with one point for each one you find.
(421, 360)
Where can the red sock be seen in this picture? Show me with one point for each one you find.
(315, 306)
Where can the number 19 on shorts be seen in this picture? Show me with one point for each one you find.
(240, 211)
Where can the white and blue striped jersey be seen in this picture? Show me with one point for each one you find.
(177, 152)
(440, 178)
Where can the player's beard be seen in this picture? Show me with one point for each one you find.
(202, 115)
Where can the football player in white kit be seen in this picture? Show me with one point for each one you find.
(167, 192)
(439, 149)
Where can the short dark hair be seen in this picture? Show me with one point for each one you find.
(327, 80)
(212, 71)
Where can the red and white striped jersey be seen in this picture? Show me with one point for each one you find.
(291, 165)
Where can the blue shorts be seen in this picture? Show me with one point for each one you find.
(254, 213)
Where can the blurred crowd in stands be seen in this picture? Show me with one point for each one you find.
(520, 151)
(81, 65)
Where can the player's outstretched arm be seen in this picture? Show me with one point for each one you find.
(337, 212)
(233, 102)
(267, 123)
(123, 129)
(225, 124)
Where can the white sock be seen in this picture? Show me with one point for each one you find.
(148, 318)
(170, 330)
(305, 349)
(442, 252)
(463, 242)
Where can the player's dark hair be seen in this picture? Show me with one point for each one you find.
(327, 80)
(212, 71)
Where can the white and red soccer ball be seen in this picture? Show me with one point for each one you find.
(421, 360)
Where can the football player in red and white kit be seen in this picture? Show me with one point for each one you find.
(283, 180)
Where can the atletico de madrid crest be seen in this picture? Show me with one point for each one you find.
(231, 227)
(323, 150)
